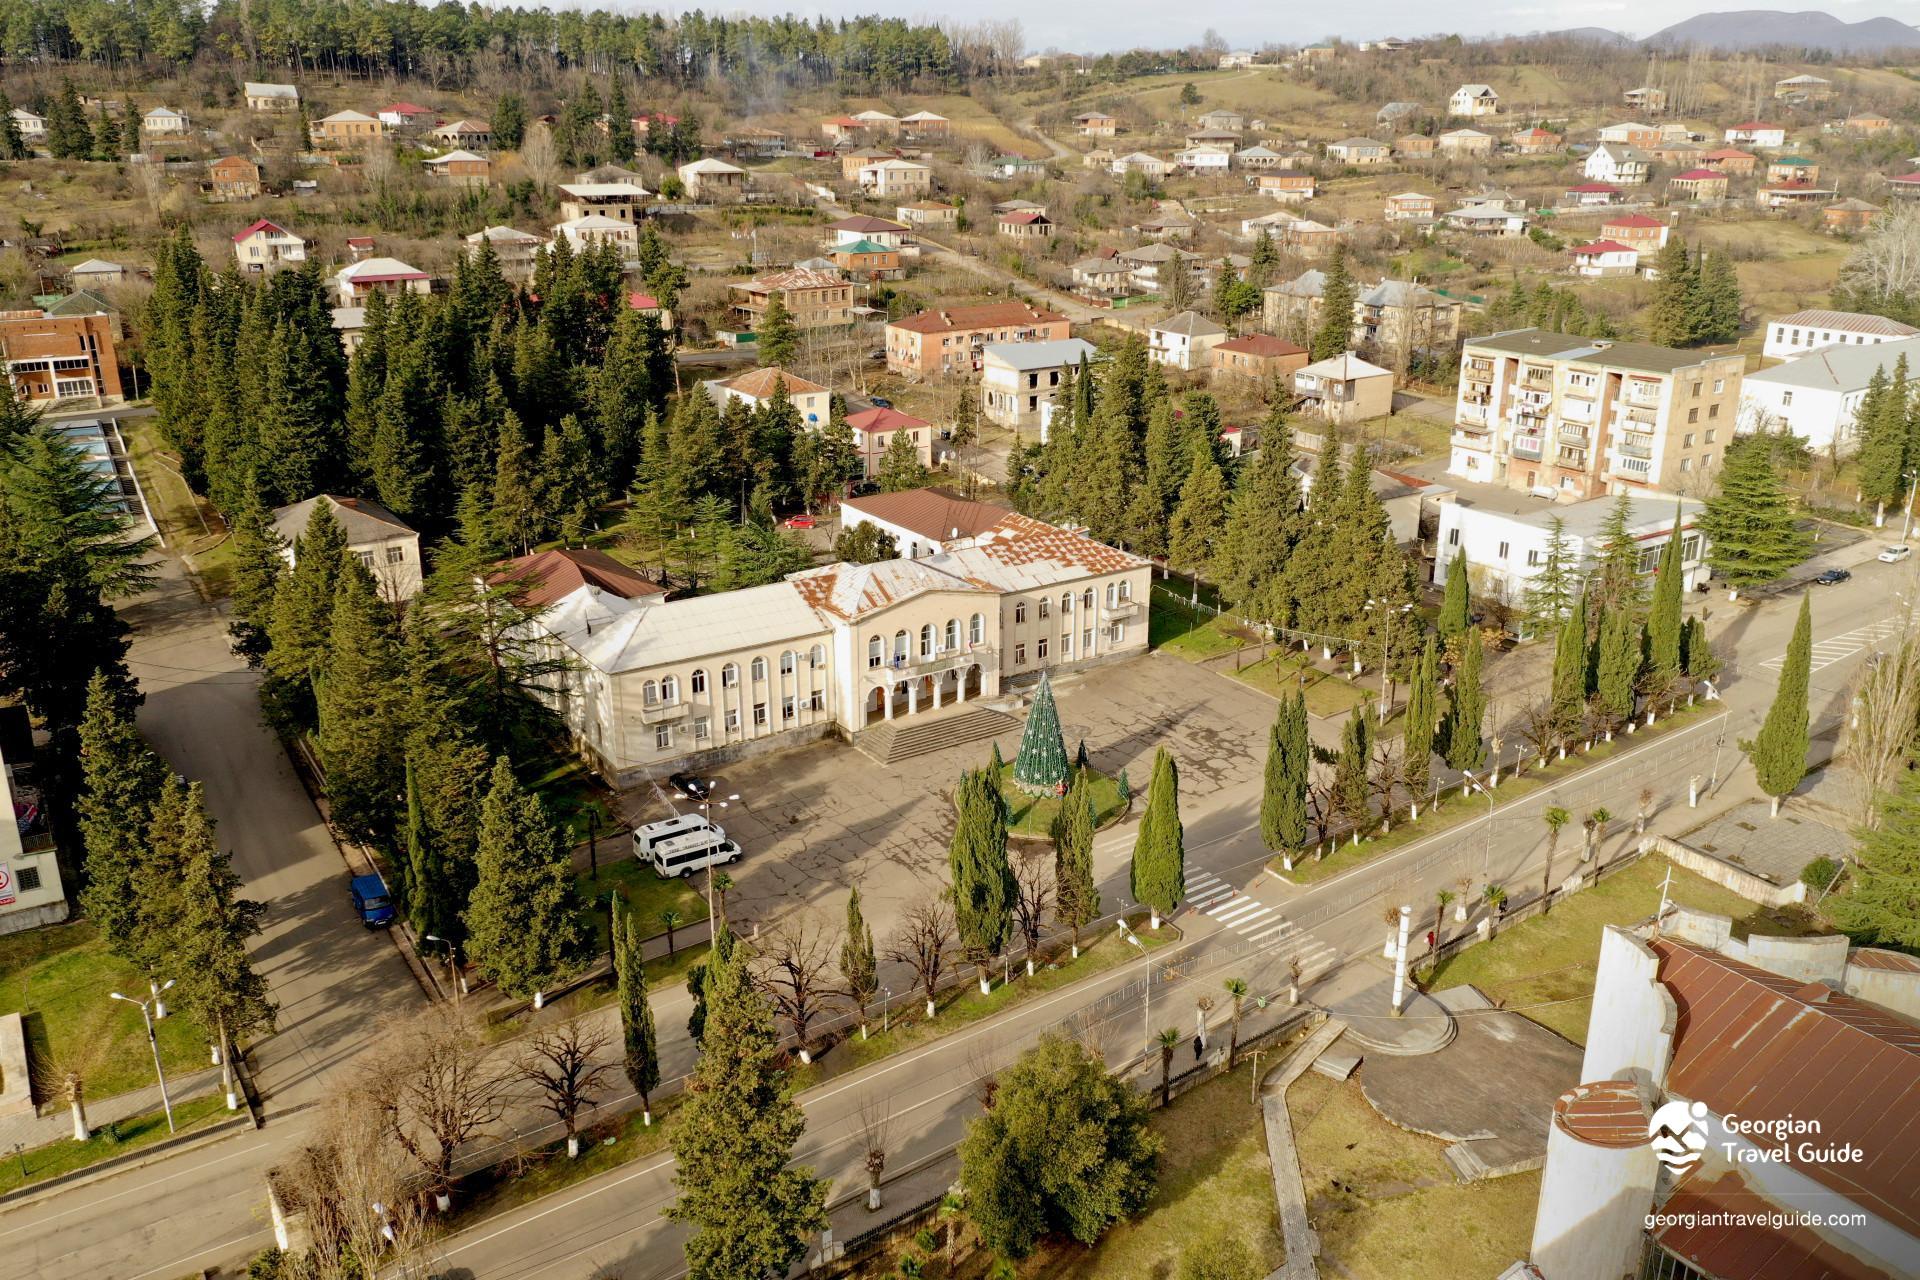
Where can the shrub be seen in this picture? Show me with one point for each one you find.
(1820, 874)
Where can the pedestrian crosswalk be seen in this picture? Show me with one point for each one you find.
(1253, 919)
(1841, 647)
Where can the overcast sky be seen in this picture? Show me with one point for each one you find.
(1102, 25)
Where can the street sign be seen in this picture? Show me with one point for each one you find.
(6, 885)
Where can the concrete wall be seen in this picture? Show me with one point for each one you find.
(1593, 1207)
(1723, 873)
(1898, 990)
(16, 1079)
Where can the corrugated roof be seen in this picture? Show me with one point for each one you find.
(1696, 1229)
(986, 315)
(551, 576)
(361, 519)
(1042, 355)
(866, 225)
(1849, 322)
(793, 278)
(758, 384)
(1260, 344)
(881, 419)
(1190, 323)
(852, 591)
(1767, 1046)
(932, 513)
(1606, 1113)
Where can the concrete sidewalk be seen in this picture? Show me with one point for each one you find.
(55, 1124)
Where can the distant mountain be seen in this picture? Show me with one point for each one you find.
(1597, 35)
(1766, 28)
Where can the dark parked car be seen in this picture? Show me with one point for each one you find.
(880, 402)
(691, 787)
(1832, 576)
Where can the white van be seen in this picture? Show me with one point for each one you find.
(655, 833)
(693, 852)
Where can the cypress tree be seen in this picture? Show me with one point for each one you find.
(1619, 665)
(418, 888)
(1664, 618)
(1570, 668)
(302, 621)
(859, 963)
(1467, 710)
(1882, 904)
(1076, 900)
(1283, 802)
(523, 921)
(1885, 440)
(749, 1209)
(1696, 652)
(1423, 717)
(1750, 518)
(360, 699)
(1352, 767)
(1159, 870)
(121, 780)
(1456, 607)
(983, 885)
(1780, 752)
(258, 566)
(1041, 767)
(641, 1047)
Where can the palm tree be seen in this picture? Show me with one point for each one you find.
(1237, 988)
(1596, 829)
(1168, 1040)
(952, 1207)
(1495, 896)
(1442, 898)
(1556, 818)
(670, 920)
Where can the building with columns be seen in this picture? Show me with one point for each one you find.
(659, 683)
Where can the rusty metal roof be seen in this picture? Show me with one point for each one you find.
(1768, 1046)
(1874, 958)
(1749, 1252)
(1605, 1113)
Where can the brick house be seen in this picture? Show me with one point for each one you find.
(1024, 225)
(461, 168)
(815, 299)
(1258, 357)
(1697, 184)
(233, 178)
(54, 358)
(933, 344)
(346, 130)
(874, 430)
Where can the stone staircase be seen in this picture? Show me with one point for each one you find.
(892, 741)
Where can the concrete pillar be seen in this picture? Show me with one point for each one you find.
(888, 692)
(913, 696)
(1693, 792)
(937, 682)
(1400, 959)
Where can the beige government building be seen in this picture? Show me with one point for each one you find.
(659, 683)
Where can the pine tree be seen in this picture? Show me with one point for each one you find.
(777, 341)
(1264, 523)
(1719, 304)
(258, 567)
(1467, 710)
(1664, 619)
(1672, 321)
(509, 121)
(518, 519)
(1076, 899)
(1335, 332)
(1780, 752)
(1456, 607)
(859, 962)
(1200, 519)
(1551, 592)
(1422, 723)
(523, 921)
(208, 950)
(12, 145)
(359, 701)
(749, 1208)
(1041, 766)
(302, 621)
(1159, 869)
(1615, 581)
(641, 1046)
(983, 886)
(900, 467)
(121, 780)
(1353, 766)
(1881, 906)
(1283, 800)
(619, 123)
(1750, 519)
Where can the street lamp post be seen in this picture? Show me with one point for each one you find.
(153, 1042)
(1486, 855)
(706, 811)
(454, 978)
(1386, 653)
(1146, 1006)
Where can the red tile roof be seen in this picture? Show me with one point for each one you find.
(259, 226)
(1729, 153)
(1023, 540)
(878, 419)
(865, 225)
(1025, 217)
(1695, 1231)
(404, 109)
(1262, 345)
(934, 514)
(1874, 958)
(759, 383)
(551, 576)
(1640, 220)
(643, 302)
(985, 315)
(1603, 246)
(1765, 1046)
(1700, 175)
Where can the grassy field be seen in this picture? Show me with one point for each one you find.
(647, 895)
(1288, 669)
(1799, 267)
(1544, 967)
(1266, 92)
(1385, 1201)
(1033, 815)
(1187, 633)
(189, 524)
(66, 1156)
(59, 978)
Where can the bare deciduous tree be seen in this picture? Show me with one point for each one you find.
(1033, 897)
(924, 942)
(793, 964)
(434, 1086)
(351, 1183)
(876, 1123)
(561, 1062)
(1887, 261)
(1880, 726)
(538, 156)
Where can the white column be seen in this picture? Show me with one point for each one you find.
(937, 682)
(913, 696)
(888, 692)
(1400, 959)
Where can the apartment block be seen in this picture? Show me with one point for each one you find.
(1573, 418)
(53, 358)
(950, 340)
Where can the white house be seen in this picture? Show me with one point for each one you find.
(164, 122)
(1817, 395)
(1185, 341)
(1605, 258)
(32, 125)
(596, 229)
(353, 282)
(1617, 163)
(1756, 133)
(1506, 551)
(382, 541)
(1473, 100)
(1804, 331)
(1152, 168)
(265, 247)
(757, 386)
(1204, 160)
(1019, 380)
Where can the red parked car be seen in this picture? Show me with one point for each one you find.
(800, 522)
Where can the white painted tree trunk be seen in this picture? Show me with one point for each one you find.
(1460, 912)
(573, 1146)
(1075, 949)
(929, 1006)
(539, 1000)
(873, 1199)
(1029, 966)
(1776, 807)
(986, 985)
(646, 1117)
(442, 1201)
(1293, 993)
(77, 1108)
(806, 1058)
(1153, 915)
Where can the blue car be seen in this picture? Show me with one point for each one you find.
(371, 901)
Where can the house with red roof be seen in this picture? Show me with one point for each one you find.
(547, 577)
(233, 178)
(404, 115)
(1636, 231)
(875, 428)
(265, 247)
(1904, 187)
(1731, 161)
(1605, 258)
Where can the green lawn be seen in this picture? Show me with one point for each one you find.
(189, 523)
(1193, 634)
(1386, 1203)
(1544, 967)
(59, 978)
(546, 1169)
(575, 798)
(647, 894)
(1033, 815)
(65, 1156)
(1282, 671)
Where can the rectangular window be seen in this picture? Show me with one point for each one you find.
(663, 737)
(1046, 608)
(1117, 633)
(1709, 439)
(396, 554)
(1713, 411)
(1686, 464)
(759, 715)
(365, 558)
(817, 700)
(733, 718)
(1086, 641)
(1453, 537)
(1533, 557)
(1719, 385)
(1693, 414)
(1786, 399)
(1020, 611)
(1020, 655)
(1503, 550)
(1686, 441)
(1066, 644)
(1040, 649)
(702, 729)
(787, 708)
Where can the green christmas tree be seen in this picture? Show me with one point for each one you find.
(1780, 752)
(1755, 534)
(1283, 802)
(1041, 767)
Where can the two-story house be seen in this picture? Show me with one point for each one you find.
(1019, 380)
(265, 247)
(950, 340)
(814, 299)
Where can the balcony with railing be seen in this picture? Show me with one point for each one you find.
(1634, 446)
(1526, 445)
(1532, 377)
(1639, 391)
(662, 712)
(1122, 610)
(1641, 417)
(1632, 468)
(912, 667)
(1576, 436)
(1478, 371)
(1471, 413)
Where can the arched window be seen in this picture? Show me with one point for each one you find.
(900, 646)
(650, 693)
(1066, 603)
(730, 676)
(759, 670)
(817, 657)
(670, 690)
(977, 629)
(1126, 589)
(699, 682)
(876, 651)
(788, 662)
(953, 634)
(1086, 598)
(1113, 593)
(926, 640)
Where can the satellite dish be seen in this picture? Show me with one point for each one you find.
(813, 417)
